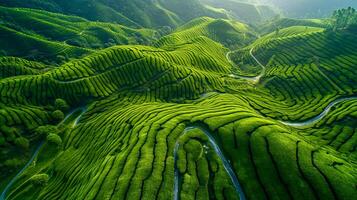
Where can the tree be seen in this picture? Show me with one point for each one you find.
(57, 115)
(46, 130)
(61, 104)
(54, 139)
(344, 18)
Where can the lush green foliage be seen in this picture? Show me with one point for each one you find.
(231, 34)
(133, 13)
(344, 18)
(244, 11)
(43, 36)
(105, 125)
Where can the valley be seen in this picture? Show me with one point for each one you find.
(106, 102)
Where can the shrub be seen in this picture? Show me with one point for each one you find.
(46, 130)
(194, 148)
(40, 179)
(61, 104)
(54, 139)
(22, 142)
(57, 115)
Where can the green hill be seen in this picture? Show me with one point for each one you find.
(231, 34)
(308, 8)
(281, 23)
(160, 115)
(134, 13)
(315, 70)
(41, 35)
(243, 11)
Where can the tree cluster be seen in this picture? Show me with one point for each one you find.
(344, 18)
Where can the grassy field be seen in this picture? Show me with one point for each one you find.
(106, 120)
(44, 36)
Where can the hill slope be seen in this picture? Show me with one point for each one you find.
(230, 33)
(147, 118)
(134, 13)
(244, 11)
(42, 35)
(178, 119)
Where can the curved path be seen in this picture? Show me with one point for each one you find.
(76, 121)
(254, 79)
(218, 151)
(306, 123)
(316, 119)
(9, 185)
(3, 194)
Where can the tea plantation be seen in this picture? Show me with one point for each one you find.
(213, 110)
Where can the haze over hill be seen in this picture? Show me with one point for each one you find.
(308, 8)
(134, 13)
(176, 99)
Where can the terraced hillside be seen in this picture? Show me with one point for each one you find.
(230, 33)
(281, 23)
(134, 13)
(244, 10)
(185, 118)
(40, 35)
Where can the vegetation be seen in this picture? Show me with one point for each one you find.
(344, 18)
(54, 38)
(141, 111)
(54, 139)
(135, 13)
(244, 11)
(40, 179)
(62, 105)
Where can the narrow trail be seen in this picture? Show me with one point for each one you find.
(318, 118)
(76, 121)
(254, 79)
(36, 152)
(226, 164)
(306, 123)
(3, 194)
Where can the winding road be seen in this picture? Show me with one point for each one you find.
(226, 164)
(9, 185)
(84, 110)
(306, 123)
(254, 79)
(3, 194)
(316, 119)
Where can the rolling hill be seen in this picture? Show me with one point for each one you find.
(41, 35)
(134, 13)
(308, 8)
(244, 11)
(230, 33)
(207, 111)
